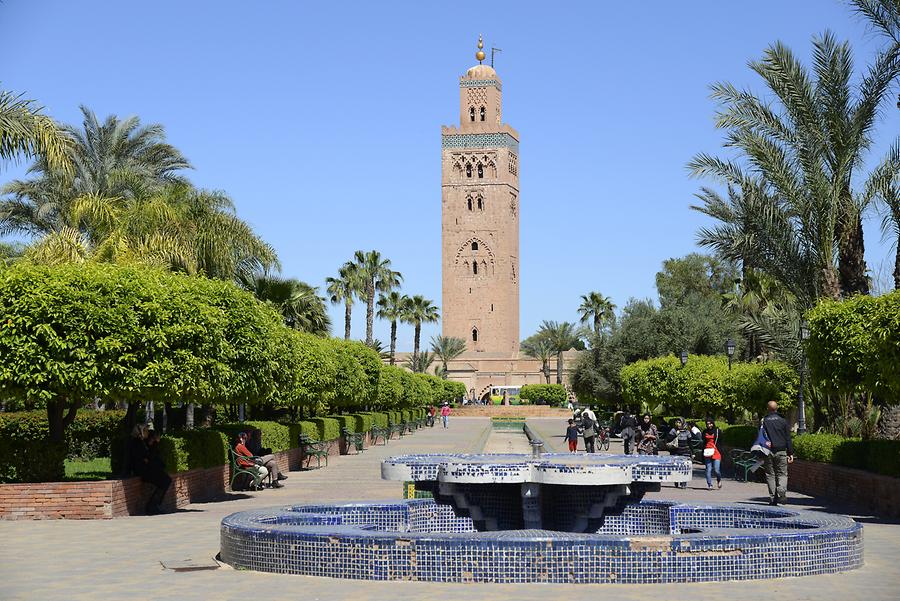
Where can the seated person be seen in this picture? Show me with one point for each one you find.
(254, 444)
(254, 463)
(144, 461)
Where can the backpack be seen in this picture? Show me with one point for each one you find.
(588, 425)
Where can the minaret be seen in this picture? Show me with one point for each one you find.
(480, 218)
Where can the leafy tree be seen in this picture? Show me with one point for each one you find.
(343, 289)
(375, 275)
(416, 311)
(390, 389)
(24, 131)
(299, 303)
(420, 362)
(351, 383)
(563, 337)
(544, 394)
(447, 348)
(539, 346)
(799, 168)
(597, 309)
(391, 306)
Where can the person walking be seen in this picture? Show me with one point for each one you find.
(445, 414)
(627, 430)
(647, 435)
(782, 453)
(588, 430)
(711, 455)
(572, 436)
(679, 443)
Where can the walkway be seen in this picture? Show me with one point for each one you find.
(120, 558)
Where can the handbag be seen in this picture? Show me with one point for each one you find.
(709, 451)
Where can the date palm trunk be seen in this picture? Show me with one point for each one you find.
(897, 267)
(851, 255)
(418, 334)
(370, 310)
(393, 339)
(559, 367)
(348, 307)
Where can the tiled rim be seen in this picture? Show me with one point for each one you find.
(312, 540)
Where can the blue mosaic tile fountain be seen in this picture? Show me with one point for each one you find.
(557, 518)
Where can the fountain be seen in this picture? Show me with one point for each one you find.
(540, 517)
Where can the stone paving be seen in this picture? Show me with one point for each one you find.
(119, 559)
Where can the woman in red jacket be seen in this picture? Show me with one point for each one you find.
(711, 455)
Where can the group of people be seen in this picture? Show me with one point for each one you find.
(583, 424)
(445, 414)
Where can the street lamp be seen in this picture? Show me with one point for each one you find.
(684, 357)
(729, 350)
(804, 336)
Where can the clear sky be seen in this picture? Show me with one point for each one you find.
(322, 119)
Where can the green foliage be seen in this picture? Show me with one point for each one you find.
(305, 428)
(395, 417)
(706, 385)
(438, 391)
(92, 469)
(453, 391)
(370, 362)
(328, 428)
(391, 388)
(738, 437)
(351, 385)
(344, 421)
(854, 345)
(274, 435)
(416, 390)
(380, 419)
(544, 394)
(362, 422)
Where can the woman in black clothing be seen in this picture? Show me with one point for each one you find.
(147, 464)
(647, 436)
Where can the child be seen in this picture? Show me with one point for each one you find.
(572, 436)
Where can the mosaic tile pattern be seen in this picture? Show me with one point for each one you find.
(495, 140)
(479, 83)
(648, 541)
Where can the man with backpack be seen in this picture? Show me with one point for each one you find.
(781, 453)
(589, 429)
(628, 426)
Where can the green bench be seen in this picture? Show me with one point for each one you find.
(379, 432)
(743, 462)
(314, 448)
(399, 429)
(354, 438)
(255, 479)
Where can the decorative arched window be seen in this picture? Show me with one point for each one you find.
(474, 245)
(469, 203)
(475, 267)
(480, 204)
(480, 171)
(469, 169)
(472, 114)
(474, 334)
(482, 114)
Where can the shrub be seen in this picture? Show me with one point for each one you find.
(305, 428)
(394, 417)
(380, 419)
(362, 422)
(328, 428)
(390, 388)
(453, 391)
(344, 421)
(883, 457)
(544, 394)
(351, 384)
(274, 435)
(738, 437)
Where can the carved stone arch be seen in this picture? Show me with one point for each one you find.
(465, 251)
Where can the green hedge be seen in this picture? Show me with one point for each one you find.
(380, 419)
(306, 428)
(395, 417)
(362, 422)
(544, 394)
(274, 435)
(328, 428)
(344, 421)
(738, 437)
(194, 449)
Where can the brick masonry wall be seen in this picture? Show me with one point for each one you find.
(511, 411)
(114, 498)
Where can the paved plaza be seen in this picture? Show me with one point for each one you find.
(121, 558)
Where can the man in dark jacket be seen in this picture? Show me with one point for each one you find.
(628, 425)
(779, 433)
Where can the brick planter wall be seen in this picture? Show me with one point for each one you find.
(510, 411)
(114, 498)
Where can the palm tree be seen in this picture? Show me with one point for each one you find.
(416, 311)
(882, 14)
(299, 303)
(343, 289)
(391, 307)
(562, 337)
(539, 346)
(800, 159)
(24, 131)
(447, 348)
(376, 275)
(885, 186)
(419, 362)
(597, 309)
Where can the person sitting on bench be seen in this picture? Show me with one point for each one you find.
(254, 444)
(149, 466)
(252, 462)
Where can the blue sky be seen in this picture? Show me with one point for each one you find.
(322, 120)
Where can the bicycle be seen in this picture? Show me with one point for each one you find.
(603, 438)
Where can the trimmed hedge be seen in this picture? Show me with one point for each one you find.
(274, 435)
(362, 422)
(328, 428)
(739, 437)
(380, 419)
(544, 394)
(306, 428)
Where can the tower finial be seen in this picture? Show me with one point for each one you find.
(480, 54)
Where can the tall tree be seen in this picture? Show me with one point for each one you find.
(343, 289)
(597, 309)
(447, 348)
(801, 156)
(376, 275)
(299, 303)
(391, 307)
(416, 311)
(884, 15)
(24, 131)
(419, 362)
(538, 346)
(563, 337)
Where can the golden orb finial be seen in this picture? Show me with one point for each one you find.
(480, 54)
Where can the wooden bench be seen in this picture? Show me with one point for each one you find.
(354, 438)
(314, 448)
(255, 479)
(379, 432)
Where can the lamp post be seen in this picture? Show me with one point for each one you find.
(804, 336)
(684, 358)
(729, 350)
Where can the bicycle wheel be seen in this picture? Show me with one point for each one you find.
(605, 443)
